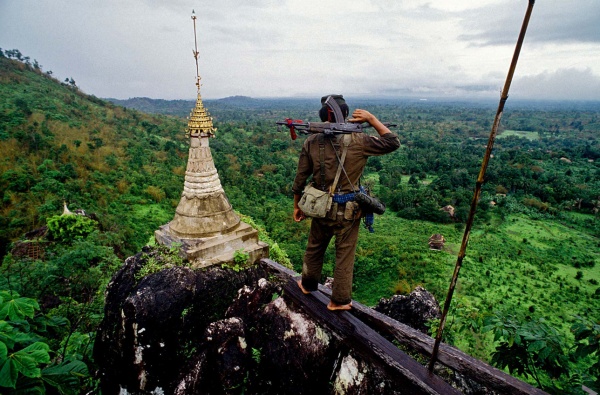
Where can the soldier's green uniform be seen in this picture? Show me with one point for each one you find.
(339, 223)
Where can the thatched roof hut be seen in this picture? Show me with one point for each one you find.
(448, 209)
(436, 242)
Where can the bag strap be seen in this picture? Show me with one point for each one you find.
(347, 138)
(322, 159)
(345, 142)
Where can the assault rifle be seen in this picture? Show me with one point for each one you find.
(340, 126)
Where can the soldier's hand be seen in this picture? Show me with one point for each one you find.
(360, 116)
(298, 215)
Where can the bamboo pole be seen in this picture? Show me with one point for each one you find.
(480, 180)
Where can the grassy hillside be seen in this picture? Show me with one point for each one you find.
(58, 144)
(513, 263)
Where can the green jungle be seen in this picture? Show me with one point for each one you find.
(528, 296)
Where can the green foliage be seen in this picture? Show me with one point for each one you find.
(256, 355)
(463, 326)
(64, 145)
(240, 258)
(66, 376)
(587, 346)
(25, 356)
(76, 270)
(158, 257)
(128, 167)
(533, 349)
(71, 281)
(70, 227)
(17, 309)
(240, 262)
(23, 362)
(151, 266)
(276, 253)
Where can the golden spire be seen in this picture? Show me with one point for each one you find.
(200, 122)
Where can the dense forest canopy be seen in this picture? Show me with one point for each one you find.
(532, 264)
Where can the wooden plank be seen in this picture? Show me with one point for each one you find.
(412, 376)
(451, 357)
(499, 381)
(283, 272)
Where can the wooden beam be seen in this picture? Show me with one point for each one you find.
(499, 381)
(413, 377)
(413, 339)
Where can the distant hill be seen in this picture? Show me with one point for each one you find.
(180, 108)
(238, 100)
(216, 107)
(58, 144)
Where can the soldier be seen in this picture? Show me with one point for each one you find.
(343, 219)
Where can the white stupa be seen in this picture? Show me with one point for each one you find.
(205, 224)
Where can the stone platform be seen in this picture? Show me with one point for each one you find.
(213, 250)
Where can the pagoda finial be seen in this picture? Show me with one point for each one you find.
(200, 122)
(195, 52)
(66, 210)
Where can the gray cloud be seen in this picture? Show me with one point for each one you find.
(268, 48)
(551, 21)
(572, 83)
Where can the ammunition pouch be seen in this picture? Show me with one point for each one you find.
(351, 211)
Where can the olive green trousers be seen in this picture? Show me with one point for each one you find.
(346, 238)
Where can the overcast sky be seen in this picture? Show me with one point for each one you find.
(307, 48)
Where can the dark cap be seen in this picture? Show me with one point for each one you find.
(338, 98)
(323, 113)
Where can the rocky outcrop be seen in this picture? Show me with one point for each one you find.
(413, 310)
(152, 324)
(218, 331)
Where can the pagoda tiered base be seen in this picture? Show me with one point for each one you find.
(218, 249)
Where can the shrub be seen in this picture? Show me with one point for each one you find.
(587, 338)
(70, 227)
(156, 193)
(403, 287)
(531, 348)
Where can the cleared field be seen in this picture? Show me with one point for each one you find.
(519, 133)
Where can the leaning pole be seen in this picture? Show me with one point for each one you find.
(480, 180)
